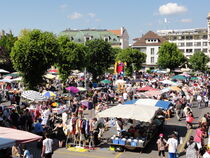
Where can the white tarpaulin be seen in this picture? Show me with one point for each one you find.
(5, 143)
(132, 111)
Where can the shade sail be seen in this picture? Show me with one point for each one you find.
(5, 143)
(135, 112)
(18, 136)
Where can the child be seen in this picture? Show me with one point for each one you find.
(161, 143)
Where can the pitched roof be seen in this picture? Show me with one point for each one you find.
(149, 35)
(78, 35)
(116, 32)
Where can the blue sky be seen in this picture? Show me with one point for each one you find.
(137, 16)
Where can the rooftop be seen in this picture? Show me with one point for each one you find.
(149, 35)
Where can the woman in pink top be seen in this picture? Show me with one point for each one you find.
(199, 133)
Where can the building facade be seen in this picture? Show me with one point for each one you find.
(188, 41)
(149, 44)
(117, 38)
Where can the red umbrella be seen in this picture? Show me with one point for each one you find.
(53, 71)
(147, 88)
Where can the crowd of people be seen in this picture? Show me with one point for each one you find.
(71, 124)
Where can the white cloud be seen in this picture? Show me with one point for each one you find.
(92, 15)
(63, 6)
(75, 16)
(186, 20)
(171, 8)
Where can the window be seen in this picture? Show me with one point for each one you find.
(87, 38)
(197, 44)
(205, 36)
(152, 59)
(189, 37)
(180, 44)
(204, 43)
(205, 50)
(197, 37)
(152, 51)
(106, 39)
(174, 38)
(197, 50)
(189, 44)
(182, 50)
(188, 50)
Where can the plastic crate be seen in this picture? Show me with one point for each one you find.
(115, 141)
(133, 143)
(121, 142)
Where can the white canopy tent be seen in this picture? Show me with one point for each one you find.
(135, 112)
(5, 143)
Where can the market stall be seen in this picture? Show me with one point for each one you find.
(165, 105)
(145, 125)
(6, 143)
(18, 136)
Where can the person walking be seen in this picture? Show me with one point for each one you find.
(47, 149)
(191, 148)
(161, 144)
(178, 109)
(199, 100)
(172, 145)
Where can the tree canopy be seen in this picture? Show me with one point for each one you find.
(7, 41)
(169, 56)
(100, 56)
(33, 54)
(198, 61)
(71, 56)
(134, 59)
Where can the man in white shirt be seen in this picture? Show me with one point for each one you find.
(125, 96)
(199, 100)
(172, 144)
(47, 149)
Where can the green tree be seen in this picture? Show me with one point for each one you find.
(198, 61)
(33, 54)
(169, 56)
(100, 56)
(71, 56)
(133, 58)
(7, 41)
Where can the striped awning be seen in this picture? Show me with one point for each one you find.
(33, 95)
